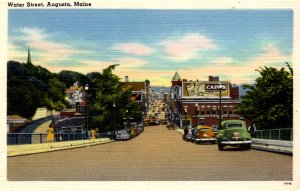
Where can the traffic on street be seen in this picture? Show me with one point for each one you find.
(156, 154)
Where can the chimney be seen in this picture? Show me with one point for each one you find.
(216, 78)
(210, 78)
(126, 78)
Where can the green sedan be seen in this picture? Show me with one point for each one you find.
(234, 133)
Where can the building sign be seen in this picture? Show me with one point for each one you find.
(205, 89)
(215, 87)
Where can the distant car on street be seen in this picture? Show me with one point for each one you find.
(234, 133)
(170, 126)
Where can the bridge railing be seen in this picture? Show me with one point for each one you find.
(37, 138)
(275, 134)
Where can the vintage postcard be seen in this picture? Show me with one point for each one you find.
(142, 95)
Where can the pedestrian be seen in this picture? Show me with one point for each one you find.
(252, 129)
(185, 132)
(93, 135)
(50, 135)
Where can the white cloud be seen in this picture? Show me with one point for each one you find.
(186, 47)
(86, 66)
(222, 60)
(44, 49)
(133, 48)
(128, 62)
(15, 54)
(241, 73)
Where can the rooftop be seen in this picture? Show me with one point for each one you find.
(176, 77)
(136, 86)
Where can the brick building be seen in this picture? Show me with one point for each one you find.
(140, 92)
(198, 102)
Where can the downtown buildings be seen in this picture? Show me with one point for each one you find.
(141, 93)
(202, 102)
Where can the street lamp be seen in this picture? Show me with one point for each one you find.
(114, 106)
(220, 105)
(86, 88)
(196, 111)
(127, 118)
(185, 113)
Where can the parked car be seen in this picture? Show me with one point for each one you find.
(215, 130)
(194, 132)
(205, 134)
(188, 135)
(170, 126)
(133, 132)
(234, 132)
(122, 134)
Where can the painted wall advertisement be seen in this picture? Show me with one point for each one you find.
(207, 89)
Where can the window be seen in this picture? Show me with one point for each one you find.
(214, 110)
(230, 109)
(208, 112)
(202, 121)
(204, 129)
(225, 111)
(234, 125)
(203, 110)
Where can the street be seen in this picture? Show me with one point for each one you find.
(157, 154)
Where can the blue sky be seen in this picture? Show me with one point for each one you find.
(154, 44)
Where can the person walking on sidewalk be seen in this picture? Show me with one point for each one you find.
(50, 135)
(93, 135)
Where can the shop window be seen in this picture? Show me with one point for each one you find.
(230, 110)
(202, 111)
(208, 111)
(225, 110)
(202, 121)
(214, 111)
(185, 123)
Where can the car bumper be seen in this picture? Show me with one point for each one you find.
(205, 139)
(235, 142)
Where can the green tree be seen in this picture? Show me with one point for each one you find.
(56, 94)
(107, 90)
(70, 77)
(269, 102)
(30, 87)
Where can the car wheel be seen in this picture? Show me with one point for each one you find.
(248, 147)
(220, 147)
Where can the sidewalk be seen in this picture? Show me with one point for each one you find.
(273, 148)
(17, 150)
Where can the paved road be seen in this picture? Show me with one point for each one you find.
(156, 154)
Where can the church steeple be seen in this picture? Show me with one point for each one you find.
(28, 57)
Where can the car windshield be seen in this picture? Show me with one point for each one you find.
(234, 125)
(204, 129)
